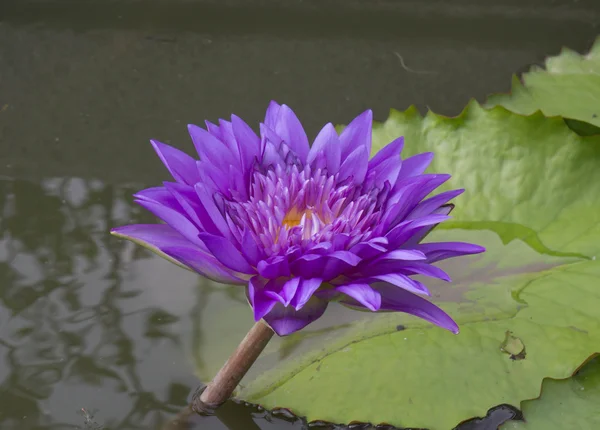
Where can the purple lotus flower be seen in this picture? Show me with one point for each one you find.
(302, 225)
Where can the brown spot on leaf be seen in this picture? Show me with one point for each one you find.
(513, 346)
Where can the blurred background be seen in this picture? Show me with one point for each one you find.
(88, 321)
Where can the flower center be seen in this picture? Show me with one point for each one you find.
(294, 217)
(287, 207)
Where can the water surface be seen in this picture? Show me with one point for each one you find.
(87, 321)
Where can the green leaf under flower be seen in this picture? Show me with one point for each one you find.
(532, 188)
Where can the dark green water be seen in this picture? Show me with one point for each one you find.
(87, 321)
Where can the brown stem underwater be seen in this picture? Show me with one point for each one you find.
(180, 422)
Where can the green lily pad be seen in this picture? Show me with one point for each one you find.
(569, 86)
(532, 188)
(568, 404)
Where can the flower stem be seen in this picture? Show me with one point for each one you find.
(238, 364)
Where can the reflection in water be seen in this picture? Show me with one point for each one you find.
(83, 344)
(67, 324)
(81, 348)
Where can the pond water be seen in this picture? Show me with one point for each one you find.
(96, 333)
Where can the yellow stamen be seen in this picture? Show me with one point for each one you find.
(294, 217)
